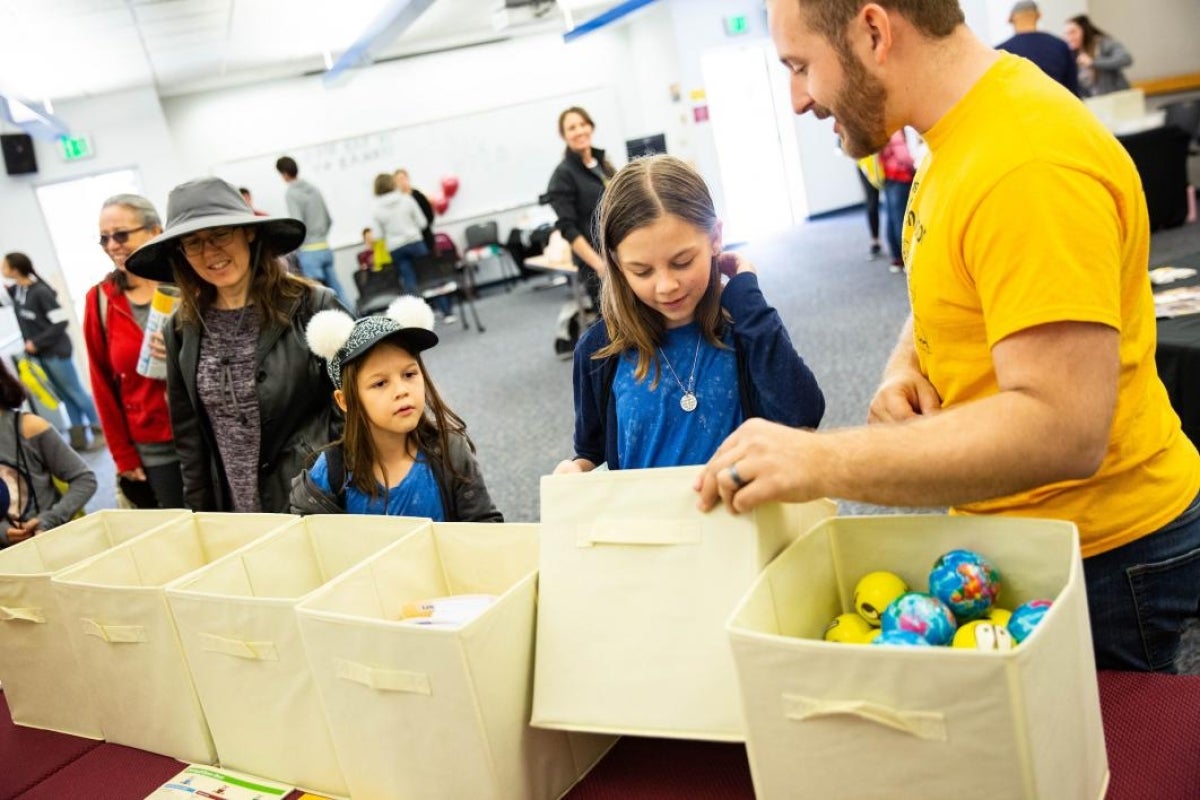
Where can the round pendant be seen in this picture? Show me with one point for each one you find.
(688, 402)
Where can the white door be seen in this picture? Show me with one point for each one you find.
(72, 210)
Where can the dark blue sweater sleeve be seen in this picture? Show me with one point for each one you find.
(782, 387)
(590, 418)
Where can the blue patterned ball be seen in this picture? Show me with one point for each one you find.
(905, 638)
(922, 614)
(965, 581)
(1026, 617)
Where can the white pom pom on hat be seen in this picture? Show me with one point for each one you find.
(328, 331)
(411, 312)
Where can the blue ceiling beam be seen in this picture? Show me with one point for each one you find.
(392, 21)
(33, 119)
(607, 18)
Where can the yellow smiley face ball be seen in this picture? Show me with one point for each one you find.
(874, 592)
(847, 629)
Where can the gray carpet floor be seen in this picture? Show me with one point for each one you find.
(843, 312)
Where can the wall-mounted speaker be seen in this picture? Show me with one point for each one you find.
(19, 158)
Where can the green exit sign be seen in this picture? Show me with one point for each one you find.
(736, 25)
(75, 147)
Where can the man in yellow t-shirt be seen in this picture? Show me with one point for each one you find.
(1024, 383)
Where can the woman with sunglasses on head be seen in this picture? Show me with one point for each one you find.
(249, 401)
(132, 407)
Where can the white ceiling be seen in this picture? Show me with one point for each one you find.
(59, 49)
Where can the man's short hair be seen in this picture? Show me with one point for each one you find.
(286, 165)
(936, 19)
(1022, 7)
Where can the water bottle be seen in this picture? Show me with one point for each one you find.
(161, 308)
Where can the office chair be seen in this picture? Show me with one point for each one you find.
(439, 276)
(483, 245)
(376, 289)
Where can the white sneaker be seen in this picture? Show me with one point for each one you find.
(450, 319)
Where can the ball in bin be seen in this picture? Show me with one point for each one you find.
(965, 581)
(847, 628)
(998, 616)
(874, 591)
(1026, 617)
(982, 634)
(922, 614)
(903, 638)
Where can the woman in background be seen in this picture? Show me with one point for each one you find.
(33, 457)
(1100, 57)
(43, 324)
(249, 402)
(574, 193)
(400, 222)
(133, 408)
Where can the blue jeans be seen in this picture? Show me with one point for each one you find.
(318, 266)
(895, 195)
(65, 382)
(1141, 594)
(403, 257)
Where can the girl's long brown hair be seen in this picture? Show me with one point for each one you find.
(645, 190)
(431, 436)
(272, 288)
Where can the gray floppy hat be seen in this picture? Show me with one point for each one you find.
(208, 203)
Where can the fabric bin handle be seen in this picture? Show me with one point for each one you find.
(637, 532)
(384, 680)
(8, 614)
(929, 725)
(114, 634)
(254, 651)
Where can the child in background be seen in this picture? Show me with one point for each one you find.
(404, 452)
(898, 173)
(366, 256)
(33, 457)
(680, 357)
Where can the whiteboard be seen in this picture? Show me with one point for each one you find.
(502, 157)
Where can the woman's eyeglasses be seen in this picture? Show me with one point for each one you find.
(120, 237)
(217, 237)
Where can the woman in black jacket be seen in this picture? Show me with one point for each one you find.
(574, 194)
(250, 404)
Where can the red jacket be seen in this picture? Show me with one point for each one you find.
(132, 408)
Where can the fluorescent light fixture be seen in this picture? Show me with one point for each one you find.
(38, 123)
(606, 18)
(393, 20)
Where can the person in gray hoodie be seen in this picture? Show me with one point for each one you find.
(401, 223)
(305, 203)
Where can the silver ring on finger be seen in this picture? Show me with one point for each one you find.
(737, 479)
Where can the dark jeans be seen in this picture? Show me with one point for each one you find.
(895, 194)
(1141, 594)
(872, 200)
(167, 482)
(403, 257)
(64, 379)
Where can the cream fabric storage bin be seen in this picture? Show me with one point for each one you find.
(423, 712)
(863, 721)
(116, 612)
(237, 622)
(635, 588)
(42, 678)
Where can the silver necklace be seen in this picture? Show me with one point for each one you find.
(688, 402)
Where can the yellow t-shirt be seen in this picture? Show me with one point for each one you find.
(1027, 211)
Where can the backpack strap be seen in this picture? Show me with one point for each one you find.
(335, 463)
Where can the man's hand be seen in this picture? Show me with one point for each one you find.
(762, 461)
(904, 394)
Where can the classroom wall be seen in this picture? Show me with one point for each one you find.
(1164, 47)
(128, 129)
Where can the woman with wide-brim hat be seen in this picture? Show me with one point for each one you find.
(249, 401)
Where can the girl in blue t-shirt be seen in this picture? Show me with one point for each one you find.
(682, 356)
(403, 452)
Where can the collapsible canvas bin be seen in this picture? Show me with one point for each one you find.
(869, 721)
(116, 612)
(635, 588)
(42, 680)
(237, 622)
(439, 712)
